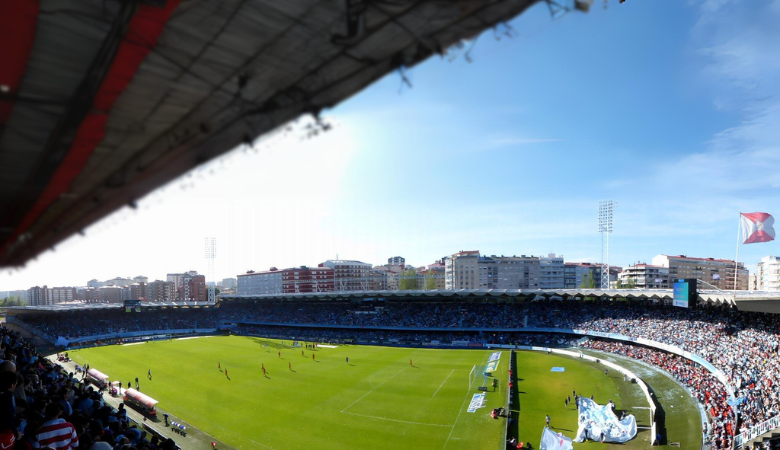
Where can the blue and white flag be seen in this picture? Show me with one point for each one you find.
(736, 401)
(599, 423)
(554, 441)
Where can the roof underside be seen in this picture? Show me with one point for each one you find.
(107, 100)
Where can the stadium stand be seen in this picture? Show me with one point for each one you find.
(41, 389)
(741, 345)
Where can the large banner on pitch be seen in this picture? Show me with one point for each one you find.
(554, 441)
(599, 423)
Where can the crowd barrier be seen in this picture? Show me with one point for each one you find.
(508, 401)
(133, 334)
(758, 431)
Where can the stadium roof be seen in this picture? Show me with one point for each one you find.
(102, 101)
(77, 306)
(755, 301)
(465, 294)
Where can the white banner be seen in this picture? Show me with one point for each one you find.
(599, 423)
(554, 441)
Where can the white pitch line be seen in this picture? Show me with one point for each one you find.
(442, 383)
(456, 419)
(400, 421)
(372, 390)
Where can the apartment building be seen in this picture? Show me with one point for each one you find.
(307, 279)
(714, 273)
(551, 273)
(645, 276)
(259, 283)
(461, 270)
(768, 274)
(351, 275)
(509, 272)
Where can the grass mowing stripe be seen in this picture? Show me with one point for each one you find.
(248, 439)
(442, 383)
(372, 390)
(398, 420)
(456, 418)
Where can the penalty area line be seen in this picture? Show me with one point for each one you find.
(456, 419)
(442, 383)
(398, 420)
(372, 390)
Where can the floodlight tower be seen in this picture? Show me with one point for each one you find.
(211, 255)
(606, 208)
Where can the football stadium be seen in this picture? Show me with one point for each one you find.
(104, 103)
(432, 369)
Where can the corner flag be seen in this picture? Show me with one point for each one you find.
(554, 441)
(757, 227)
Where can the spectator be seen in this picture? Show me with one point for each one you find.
(55, 432)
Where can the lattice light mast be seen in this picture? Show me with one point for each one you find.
(606, 209)
(211, 255)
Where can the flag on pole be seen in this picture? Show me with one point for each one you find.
(757, 227)
(554, 441)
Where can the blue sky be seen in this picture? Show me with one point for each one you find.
(668, 107)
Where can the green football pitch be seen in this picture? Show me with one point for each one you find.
(542, 392)
(377, 400)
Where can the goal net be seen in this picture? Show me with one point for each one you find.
(477, 377)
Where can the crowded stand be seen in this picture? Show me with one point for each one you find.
(742, 345)
(408, 337)
(43, 406)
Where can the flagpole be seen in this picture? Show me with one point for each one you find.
(736, 260)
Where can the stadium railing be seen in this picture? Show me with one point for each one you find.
(508, 432)
(132, 334)
(624, 371)
(757, 433)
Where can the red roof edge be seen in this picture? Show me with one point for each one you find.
(143, 31)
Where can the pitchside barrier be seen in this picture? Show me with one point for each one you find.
(508, 401)
(624, 371)
(132, 334)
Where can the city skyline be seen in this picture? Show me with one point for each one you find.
(508, 154)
